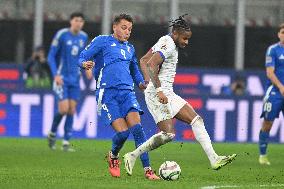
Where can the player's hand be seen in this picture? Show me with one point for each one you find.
(58, 80)
(162, 97)
(144, 85)
(88, 65)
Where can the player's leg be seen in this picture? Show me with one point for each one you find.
(135, 127)
(62, 110)
(188, 115)
(166, 135)
(263, 142)
(163, 117)
(110, 115)
(118, 140)
(61, 97)
(271, 109)
(68, 126)
(73, 93)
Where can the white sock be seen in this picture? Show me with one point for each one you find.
(153, 142)
(203, 138)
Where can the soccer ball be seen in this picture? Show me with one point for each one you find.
(169, 170)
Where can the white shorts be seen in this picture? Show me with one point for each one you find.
(162, 112)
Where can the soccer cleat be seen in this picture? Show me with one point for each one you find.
(223, 160)
(67, 148)
(51, 138)
(129, 162)
(114, 168)
(263, 160)
(150, 174)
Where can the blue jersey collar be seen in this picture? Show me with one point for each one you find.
(126, 42)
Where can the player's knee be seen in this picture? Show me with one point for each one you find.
(63, 111)
(197, 121)
(71, 111)
(267, 126)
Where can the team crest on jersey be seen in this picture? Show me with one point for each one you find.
(69, 42)
(128, 49)
(81, 43)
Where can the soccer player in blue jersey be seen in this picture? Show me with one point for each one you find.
(63, 60)
(115, 70)
(273, 99)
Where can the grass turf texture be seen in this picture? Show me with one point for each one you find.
(29, 163)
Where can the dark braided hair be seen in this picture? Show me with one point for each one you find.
(180, 24)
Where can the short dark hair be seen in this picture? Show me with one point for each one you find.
(281, 26)
(122, 16)
(77, 14)
(180, 24)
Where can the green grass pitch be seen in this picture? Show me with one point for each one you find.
(28, 163)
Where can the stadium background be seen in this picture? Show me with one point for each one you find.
(225, 44)
(229, 41)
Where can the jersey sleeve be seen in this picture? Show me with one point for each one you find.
(164, 47)
(53, 51)
(135, 72)
(270, 57)
(92, 50)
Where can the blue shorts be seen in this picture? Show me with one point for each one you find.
(66, 92)
(116, 103)
(272, 106)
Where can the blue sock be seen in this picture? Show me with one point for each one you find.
(68, 127)
(140, 137)
(263, 141)
(118, 140)
(56, 120)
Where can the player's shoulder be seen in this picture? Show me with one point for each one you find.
(84, 34)
(61, 32)
(101, 38)
(272, 47)
(166, 40)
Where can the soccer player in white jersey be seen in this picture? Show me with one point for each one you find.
(159, 66)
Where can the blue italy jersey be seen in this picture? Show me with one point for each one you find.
(116, 63)
(275, 58)
(64, 54)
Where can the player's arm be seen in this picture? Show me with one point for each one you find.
(274, 80)
(143, 64)
(153, 70)
(136, 74)
(87, 55)
(51, 58)
(270, 68)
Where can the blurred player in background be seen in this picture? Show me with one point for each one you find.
(159, 65)
(63, 60)
(116, 69)
(273, 99)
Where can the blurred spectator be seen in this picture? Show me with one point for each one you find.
(37, 73)
(237, 87)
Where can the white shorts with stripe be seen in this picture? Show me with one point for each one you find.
(162, 112)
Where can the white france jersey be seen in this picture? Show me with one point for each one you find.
(169, 51)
